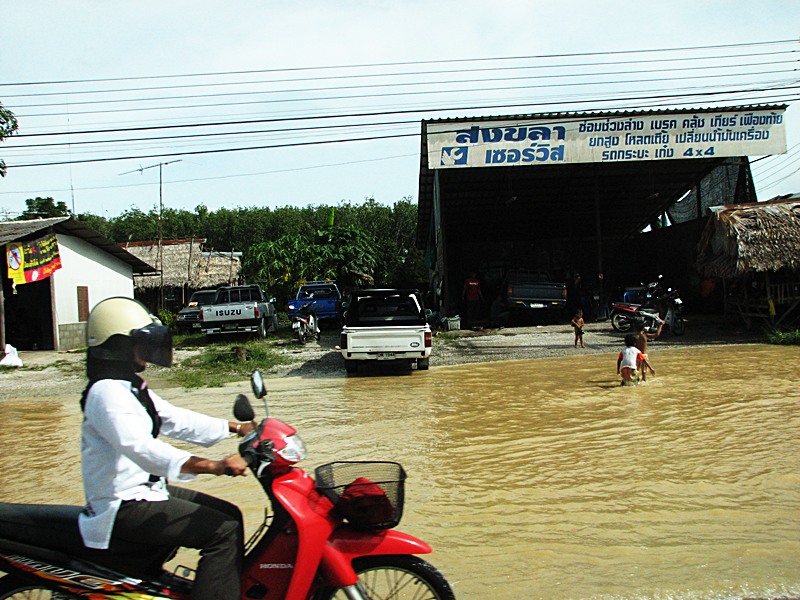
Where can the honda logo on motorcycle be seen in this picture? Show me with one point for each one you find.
(276, 566)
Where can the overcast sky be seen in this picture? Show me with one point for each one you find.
(293, 70)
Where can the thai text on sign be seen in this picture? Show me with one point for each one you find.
(593, 139)
(34, 260)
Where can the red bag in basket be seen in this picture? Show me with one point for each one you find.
(364, 503)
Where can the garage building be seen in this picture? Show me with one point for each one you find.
(573, 193)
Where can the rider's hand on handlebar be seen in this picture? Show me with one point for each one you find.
(234, 465)
(245, 428)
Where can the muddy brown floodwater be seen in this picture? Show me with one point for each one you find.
(532, 478)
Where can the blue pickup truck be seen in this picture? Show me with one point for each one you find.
(323, 297)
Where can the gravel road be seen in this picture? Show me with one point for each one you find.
(64, 370)
(467, 346)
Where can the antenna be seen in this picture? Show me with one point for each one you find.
(160, 221)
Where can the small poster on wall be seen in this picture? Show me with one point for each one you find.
(34, 260)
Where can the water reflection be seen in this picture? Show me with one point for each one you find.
(537, 479)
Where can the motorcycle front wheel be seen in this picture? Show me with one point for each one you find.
(620, 322)
(12, 588)
(679, 326)
(397, 577)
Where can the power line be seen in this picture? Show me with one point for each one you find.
(282, 119)
(592, 73)
(270, 146)
(406, 63)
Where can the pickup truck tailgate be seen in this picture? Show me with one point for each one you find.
(385, 339)
(221, 313)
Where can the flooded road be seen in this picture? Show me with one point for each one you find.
(538, 478)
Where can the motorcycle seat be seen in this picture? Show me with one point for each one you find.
(55, 527)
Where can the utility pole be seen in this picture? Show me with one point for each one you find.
(160, 223)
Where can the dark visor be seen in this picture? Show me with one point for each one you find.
(154, 343)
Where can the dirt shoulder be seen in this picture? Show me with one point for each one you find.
(65, 370)
(514, 343)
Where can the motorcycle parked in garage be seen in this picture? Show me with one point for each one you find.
(621, 312)
(666, 309)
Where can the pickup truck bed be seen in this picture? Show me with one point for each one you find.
(385, 325)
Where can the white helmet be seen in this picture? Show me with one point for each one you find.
(130, 319)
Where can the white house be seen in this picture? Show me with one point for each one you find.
(49, 311)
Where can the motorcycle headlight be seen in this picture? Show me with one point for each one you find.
(295, 449)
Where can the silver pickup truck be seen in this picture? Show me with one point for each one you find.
(385, 325)
(239, 309)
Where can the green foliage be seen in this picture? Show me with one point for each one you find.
(783, 338)
(99, 224)
(346, 254)
(218, 364)
(167, 317)
(43, 208)
(355, 244)
(8, 126)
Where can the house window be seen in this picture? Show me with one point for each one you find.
(83, 303)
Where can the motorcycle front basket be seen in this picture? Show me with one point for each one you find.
(368, 494)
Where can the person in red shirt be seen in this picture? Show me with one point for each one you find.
(472, 298)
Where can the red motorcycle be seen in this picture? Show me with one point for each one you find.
(668, 311)
(624, 314)
(330, 537)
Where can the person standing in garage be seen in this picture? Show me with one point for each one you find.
(473, 298)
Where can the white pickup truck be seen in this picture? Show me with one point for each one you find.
(385, 325)
(239, 309)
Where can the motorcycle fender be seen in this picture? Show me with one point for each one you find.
(311, 513)
(345, 545)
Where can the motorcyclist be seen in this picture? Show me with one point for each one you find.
(126, 464)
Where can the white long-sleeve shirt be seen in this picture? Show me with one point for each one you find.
(119, 452)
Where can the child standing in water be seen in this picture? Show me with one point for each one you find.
(641, 344)
(577, 325)
(629, 361)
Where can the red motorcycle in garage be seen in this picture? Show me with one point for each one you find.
(662, 308)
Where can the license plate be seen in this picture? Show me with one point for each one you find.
(537, 305)
(678, 301)
(296, 325)
(386, 356)
(196, 325)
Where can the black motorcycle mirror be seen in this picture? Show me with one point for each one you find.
(242, 409)
(259, 388)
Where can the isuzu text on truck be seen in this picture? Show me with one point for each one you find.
(239, 309)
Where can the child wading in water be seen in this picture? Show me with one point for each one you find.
(641, 344)
(630, 362)
(577, 325)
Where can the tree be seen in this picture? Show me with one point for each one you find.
(97, 223)
(43, 208)
(8, 126)
(346, 254)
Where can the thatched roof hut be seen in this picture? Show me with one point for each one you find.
(751, 238)
(185, 264)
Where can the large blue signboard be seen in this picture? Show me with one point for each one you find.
(592, 139)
